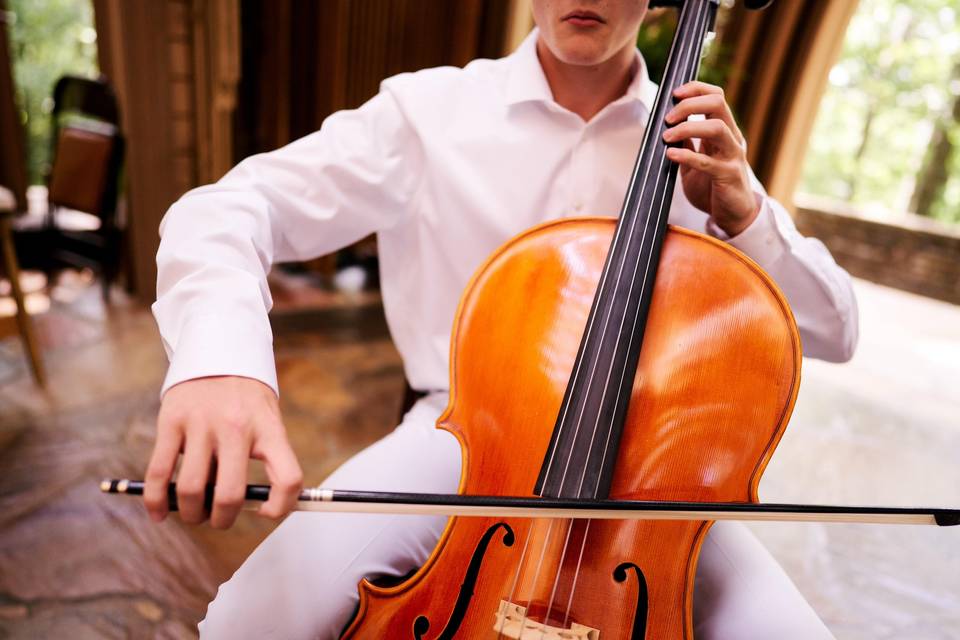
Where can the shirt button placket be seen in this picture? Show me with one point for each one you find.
(577, 174)
(585, 174)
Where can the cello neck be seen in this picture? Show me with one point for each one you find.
(582, 452)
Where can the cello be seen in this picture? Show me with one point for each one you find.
(552, 396)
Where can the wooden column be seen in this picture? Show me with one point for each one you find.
(216, 74)
(175, 66)
(133, 49)
(780, 59)
(304, 60)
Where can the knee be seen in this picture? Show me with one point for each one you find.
(278, 593)
(742, 592)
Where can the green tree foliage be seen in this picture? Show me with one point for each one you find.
(654, 40)
(48, 38)
(892, 85)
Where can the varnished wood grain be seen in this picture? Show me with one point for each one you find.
(718, 376)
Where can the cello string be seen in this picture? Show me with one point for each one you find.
(561, 423)
(576, 575)
(536, 574)
(576, 374)
(606, 321)
(689, 66)
(516, 576)
(595, 364)
(609, 311)
(601, 289)
(646, 167)
(556, 579)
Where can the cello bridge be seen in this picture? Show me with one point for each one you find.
(512, 622)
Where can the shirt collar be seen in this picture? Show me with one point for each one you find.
(526, 81)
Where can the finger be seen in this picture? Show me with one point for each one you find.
(689, 159)
(192, 479)
(687, 144)
(716, 132)
(711, 106)
(230, 485)
(160, 470)
(696, 88)
(283, 470)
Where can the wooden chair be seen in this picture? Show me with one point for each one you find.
(12, 269)
(83, 183)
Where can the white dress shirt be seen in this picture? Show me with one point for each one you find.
(444, 165)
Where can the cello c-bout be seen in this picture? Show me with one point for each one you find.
(552, 395)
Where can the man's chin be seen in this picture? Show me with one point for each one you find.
(582, 51)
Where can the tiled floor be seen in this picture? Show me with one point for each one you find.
(73, 563)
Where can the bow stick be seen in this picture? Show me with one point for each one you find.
(442, 504)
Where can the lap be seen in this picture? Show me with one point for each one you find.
(741, 592)
(301, 582)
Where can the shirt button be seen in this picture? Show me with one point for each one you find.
(578, 207)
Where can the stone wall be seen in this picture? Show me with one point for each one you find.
(914, 254)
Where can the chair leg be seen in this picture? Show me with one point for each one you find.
(106, 277)
(23, 319)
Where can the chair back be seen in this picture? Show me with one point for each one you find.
(87, 149)
(91, 97)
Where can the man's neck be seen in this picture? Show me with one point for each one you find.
(585, 90)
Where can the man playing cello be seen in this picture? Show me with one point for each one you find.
(444, 165)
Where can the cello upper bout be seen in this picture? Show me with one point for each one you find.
(721, 342)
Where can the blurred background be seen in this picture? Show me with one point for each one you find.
(110, 109)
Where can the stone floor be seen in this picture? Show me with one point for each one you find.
(882, 429)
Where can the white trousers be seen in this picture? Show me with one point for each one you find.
(301, 582)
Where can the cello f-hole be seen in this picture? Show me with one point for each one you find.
(640, 617)
(422, 624)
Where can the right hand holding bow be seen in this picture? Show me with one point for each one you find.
(218, 424)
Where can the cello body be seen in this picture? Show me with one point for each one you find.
(715, 384)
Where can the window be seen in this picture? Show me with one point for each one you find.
(887, 133)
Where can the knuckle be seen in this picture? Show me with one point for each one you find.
(229, 501)
(172, 414)
(233, 423)
(189, 490)
(229, 504)
(271, 425)
(290, 480)
(155, 473)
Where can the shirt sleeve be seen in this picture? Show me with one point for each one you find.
(819, 291)
(355, 176)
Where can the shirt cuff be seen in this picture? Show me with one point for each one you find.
(212, 345)
(761, 241)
